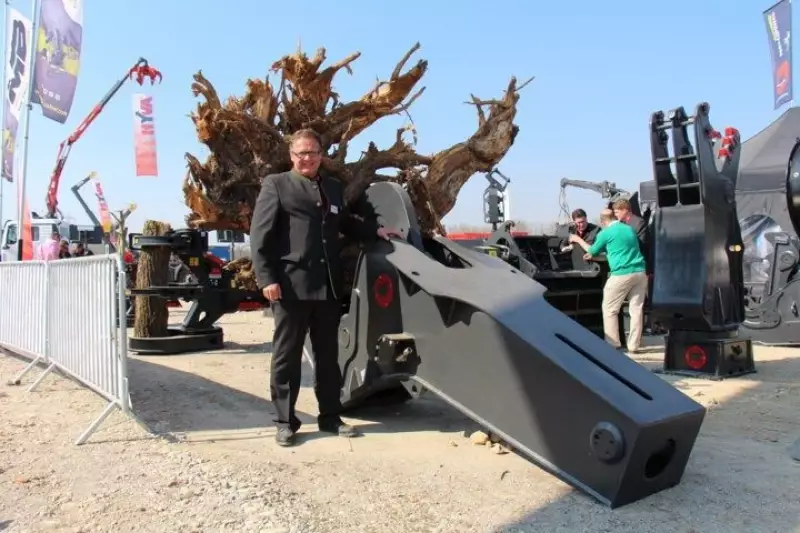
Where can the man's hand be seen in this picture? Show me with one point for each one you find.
(386, 233)
(272, 292)
(587, 256)
(574, 238)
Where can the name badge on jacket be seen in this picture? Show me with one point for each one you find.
(334, 209)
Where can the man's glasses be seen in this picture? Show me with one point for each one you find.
(306, 155)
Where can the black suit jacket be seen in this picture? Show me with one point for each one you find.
(294, 235)
(589, 235)
(638, 224)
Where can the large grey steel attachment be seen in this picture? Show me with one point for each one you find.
(429, 314)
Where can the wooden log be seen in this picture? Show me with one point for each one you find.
(152, 315)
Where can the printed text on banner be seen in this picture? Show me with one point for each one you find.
(17, 81)
(778, 19)
(144, 136)
(59, 41)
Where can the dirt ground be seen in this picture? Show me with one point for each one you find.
(215, 467)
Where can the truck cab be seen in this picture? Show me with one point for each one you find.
(42, 228)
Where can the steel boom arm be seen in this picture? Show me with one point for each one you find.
(138, 72)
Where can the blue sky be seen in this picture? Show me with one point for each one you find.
(601, 69)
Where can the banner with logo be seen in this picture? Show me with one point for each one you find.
(17, 78)
(144, 136)
(58, 57)
(778, 20)
(105, 214)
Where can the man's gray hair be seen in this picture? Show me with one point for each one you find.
(306, 133)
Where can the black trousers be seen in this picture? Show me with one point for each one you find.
(293, 319)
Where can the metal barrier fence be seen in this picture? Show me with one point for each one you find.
(66, 314)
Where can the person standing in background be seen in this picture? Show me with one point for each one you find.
(627, 278)
(49, 249)
(623, 213)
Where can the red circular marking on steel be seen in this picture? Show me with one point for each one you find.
(695, 357)
(383, 290)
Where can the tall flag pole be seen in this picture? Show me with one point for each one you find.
(778, 20)
(24, 243)
(3, 176)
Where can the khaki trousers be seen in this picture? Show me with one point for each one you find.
(616, 290)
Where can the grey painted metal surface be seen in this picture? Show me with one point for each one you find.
(479, 333)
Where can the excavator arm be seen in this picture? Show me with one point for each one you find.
(138, 72)
(76, 191)
(607, 190)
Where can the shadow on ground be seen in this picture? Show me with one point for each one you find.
(252, 347)
(757, 488)
(168, 400)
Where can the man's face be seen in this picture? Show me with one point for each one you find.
(306, 156)
(622, 214)
(580, 223)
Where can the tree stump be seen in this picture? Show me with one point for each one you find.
(248, 138)
(152, 314)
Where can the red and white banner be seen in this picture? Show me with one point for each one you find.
(144, 136)
(105, 214)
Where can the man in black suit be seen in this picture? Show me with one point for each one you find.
(623, 213)
(294, 243)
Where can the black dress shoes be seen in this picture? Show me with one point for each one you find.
(284, 437)
(338, 427)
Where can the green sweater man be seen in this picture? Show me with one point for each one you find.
(627, 278)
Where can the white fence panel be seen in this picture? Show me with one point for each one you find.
(79, 304)
(81, 319)
(23, 300)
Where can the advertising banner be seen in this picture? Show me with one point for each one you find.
(144, 136)
(17, 77)
(58, 57)
(778, 20)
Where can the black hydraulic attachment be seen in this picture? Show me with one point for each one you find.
(574, 286)
(697, 288)
(772, 308)
(430, 315)
(211, 290)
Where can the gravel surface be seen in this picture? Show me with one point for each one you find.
(201, 458)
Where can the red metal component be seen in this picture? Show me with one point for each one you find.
(140, 70)
(695, 357)
(250, 306)
(383, 291)
(474, 235)
(145, 71)
(731, 132)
